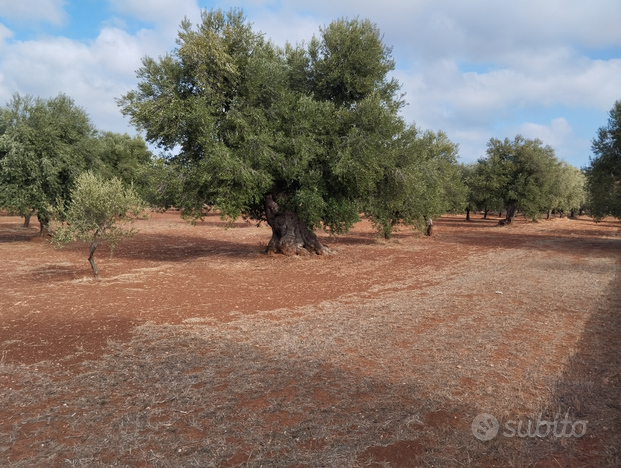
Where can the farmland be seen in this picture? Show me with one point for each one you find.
(195, 349)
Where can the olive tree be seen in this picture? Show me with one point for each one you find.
(523, 172)
(99, 211)
(44, 145)
(301, 137)
(570, 194)
(483, 188)
(422, 182)
(121, 156)
(604, 171)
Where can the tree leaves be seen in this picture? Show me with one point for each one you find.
(604, 172)
(99, 211)
(310, 125)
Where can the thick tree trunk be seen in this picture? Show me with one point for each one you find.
(44, 223)
(27, 219)
(467, 214)
(572, 214)
(549, 213)
(290, 235)
(510, 212)
(429, 230)
(485, 213)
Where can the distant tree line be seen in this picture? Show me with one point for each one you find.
(523, 175)
(45, 144)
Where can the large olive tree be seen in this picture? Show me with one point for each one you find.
(301, 137)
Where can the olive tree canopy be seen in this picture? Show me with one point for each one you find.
(301, 137)
(44, 145)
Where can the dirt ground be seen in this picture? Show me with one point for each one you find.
(194, 349)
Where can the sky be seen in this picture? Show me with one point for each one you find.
(476, 69)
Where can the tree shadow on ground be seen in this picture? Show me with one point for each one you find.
(201, 399)
(554, 241)
(174, 248)
(16, 233)
(611, 223)
(590, 390)
(230, 398)
(170, 248)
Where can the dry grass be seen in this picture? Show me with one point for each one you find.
(393, 381)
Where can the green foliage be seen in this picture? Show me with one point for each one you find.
(98, 212)
(523, 172)
(423, 181)
(526, 175)
(604, 172)
(44, 146)
(313, 126)
(121, 156)
(483, 187)
(569, 194)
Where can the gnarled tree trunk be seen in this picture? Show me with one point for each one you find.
(511, 207)
(485, 213)
(290, 235)
(27, 219)
(44, 222)
(467, 214)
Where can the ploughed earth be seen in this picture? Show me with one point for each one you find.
(481, 346)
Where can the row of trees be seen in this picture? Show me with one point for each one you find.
(301, 137)
(523, 174)
(604, 171)
(54, 164)
(45, 144)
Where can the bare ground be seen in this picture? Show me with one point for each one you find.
(196, 350)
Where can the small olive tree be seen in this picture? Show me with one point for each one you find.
(99, 211)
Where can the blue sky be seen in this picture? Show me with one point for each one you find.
(477, 69)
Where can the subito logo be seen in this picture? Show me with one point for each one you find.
(485, 426)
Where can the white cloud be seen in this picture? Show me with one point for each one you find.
(475, 30)
(559, 134)
(471, 107)
(93, 74)
(554, 134)
(48, 11)
(528, 56)
(164, 12)
(5, 33)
